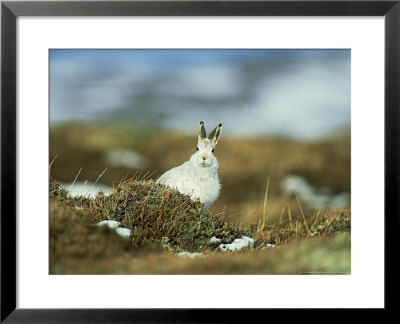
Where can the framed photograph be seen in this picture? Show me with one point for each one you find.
(155, 150)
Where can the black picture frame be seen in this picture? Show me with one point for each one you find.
(10, 10)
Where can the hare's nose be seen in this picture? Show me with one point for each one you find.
(204, 158)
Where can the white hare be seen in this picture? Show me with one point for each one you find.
(198, 177)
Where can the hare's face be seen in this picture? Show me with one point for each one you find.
(204, 156)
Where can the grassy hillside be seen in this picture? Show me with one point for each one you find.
(164, 222)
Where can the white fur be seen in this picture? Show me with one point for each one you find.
(197, 177)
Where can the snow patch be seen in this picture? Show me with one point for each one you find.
(124, 232)
(114, 225)
(86, 189)
(214, 240)
(190, 255)
(315, 198)
(237, 244)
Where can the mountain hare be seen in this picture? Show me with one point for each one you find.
(198, 177)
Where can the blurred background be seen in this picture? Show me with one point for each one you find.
(285, 115)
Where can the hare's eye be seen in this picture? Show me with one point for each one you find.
(212, 150)
(197, 148)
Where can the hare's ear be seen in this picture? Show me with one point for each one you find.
(202, 134)
(215, 134)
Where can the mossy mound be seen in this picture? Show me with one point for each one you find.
(155, 214)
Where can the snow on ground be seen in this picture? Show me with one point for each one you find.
(175, 87)
(87, 189)
(213, 240)
(237, 244)
(124, 232)
(114, 225)
(316, 198)
(190, 255)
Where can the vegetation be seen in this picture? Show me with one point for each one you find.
(164, 222)
(154, 214)
(245, 164)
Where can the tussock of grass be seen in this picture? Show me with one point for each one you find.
(155, 214)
